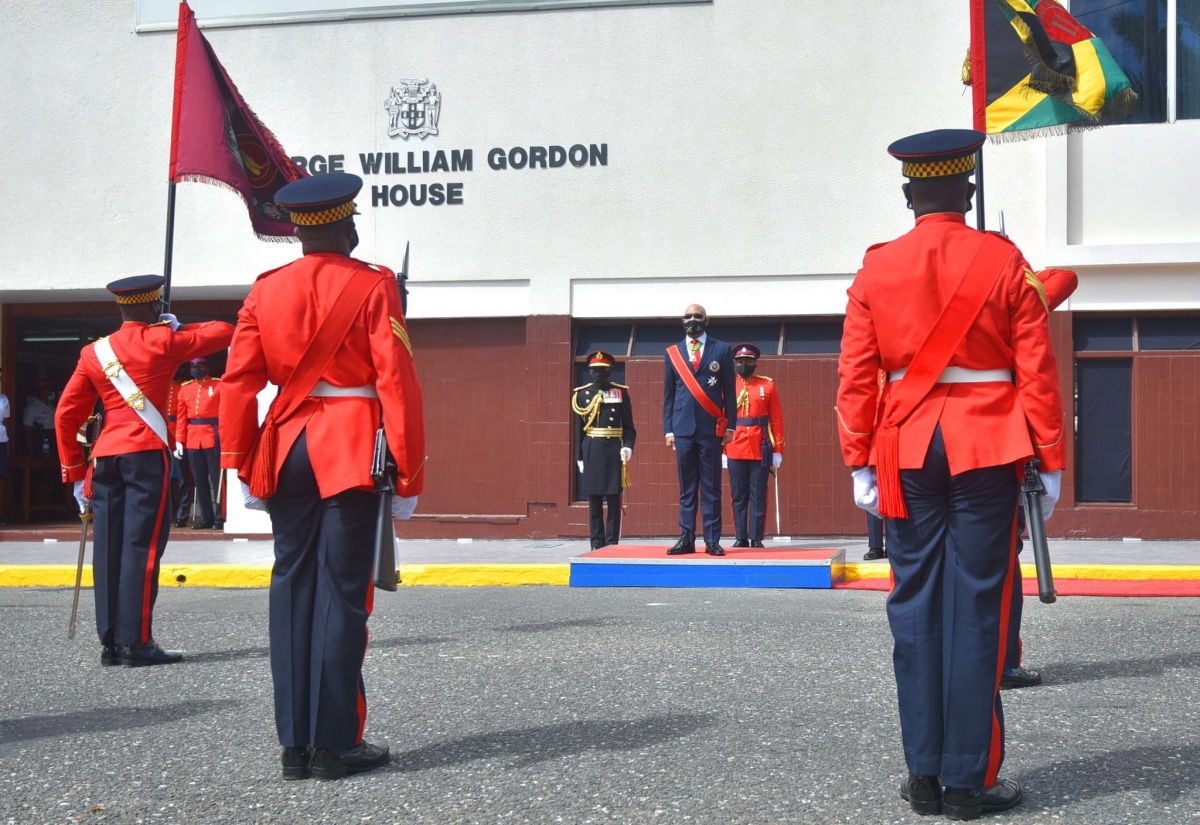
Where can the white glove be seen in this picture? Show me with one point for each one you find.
(403, 507)
(252, 502)
(579, 464)
(175, 325)
(179, 452)
(626, 454)
(776, 460)
(866, 490)
(1052, 481)
(82, 500)
(724, 461)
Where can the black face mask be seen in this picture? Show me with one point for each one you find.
(694, 328)
(745, 370)
(600, 376)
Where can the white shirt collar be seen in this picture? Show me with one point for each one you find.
(703, 339)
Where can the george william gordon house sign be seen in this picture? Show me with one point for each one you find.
(430, 163)
(414, 110)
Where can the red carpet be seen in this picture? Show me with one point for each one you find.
(654, 551)
(1075, 587)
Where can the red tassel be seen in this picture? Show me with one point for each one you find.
(87, 481)
(262, 473)
(887, 473)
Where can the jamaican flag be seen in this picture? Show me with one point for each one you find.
(1034, 69)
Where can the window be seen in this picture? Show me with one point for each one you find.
(1146, 37)
(163, 15)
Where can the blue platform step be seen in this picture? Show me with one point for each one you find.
(628, 565)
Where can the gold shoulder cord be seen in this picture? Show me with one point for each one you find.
(591, 412)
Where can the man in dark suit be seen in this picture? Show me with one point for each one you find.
(699, 402)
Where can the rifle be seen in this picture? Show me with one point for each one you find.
(91, 431)
(1031, 489)
(382, 471)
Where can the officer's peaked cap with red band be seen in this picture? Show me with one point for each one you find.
(600, 359)
(746, 351)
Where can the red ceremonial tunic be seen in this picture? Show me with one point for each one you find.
(893, 303)
(172, 407)
(280, 317)
(198, 398)
(149, 354)
(756, 398)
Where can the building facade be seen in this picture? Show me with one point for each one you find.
(572, 178)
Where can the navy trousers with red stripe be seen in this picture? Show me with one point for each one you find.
(130, 503)
(320, 600)
(953, 561)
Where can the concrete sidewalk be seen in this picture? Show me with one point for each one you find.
(242, 562)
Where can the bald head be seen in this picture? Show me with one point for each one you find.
(695, 319)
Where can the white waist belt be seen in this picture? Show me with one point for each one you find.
(961, 375)
(323, 390)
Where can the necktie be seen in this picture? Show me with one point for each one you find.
(694, 346)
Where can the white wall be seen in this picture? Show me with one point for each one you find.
(745, 140)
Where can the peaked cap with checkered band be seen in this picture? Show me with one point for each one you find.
(320, 199)
(938, 154)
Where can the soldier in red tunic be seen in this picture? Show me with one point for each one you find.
(130, 371)
(756, 448)
(960, 324)
(329, 331)
(198, 442)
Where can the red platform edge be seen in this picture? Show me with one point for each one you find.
(657, 551)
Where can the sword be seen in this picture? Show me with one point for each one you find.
(85, 518)
(1031, 490)
(775, 473)
(91, 431)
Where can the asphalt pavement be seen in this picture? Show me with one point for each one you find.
(552, 704)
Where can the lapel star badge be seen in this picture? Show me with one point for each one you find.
(712, 381)
(714, 366)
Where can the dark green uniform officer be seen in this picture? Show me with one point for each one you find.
(604, 439)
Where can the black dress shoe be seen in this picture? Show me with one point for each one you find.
(961, 804)
(714, 548)
(922, 793)
(297, 763)
(143, 655)
(218, 525)
(874, 553)
(181, 522)
(681, 547)
(334, 763)
(757, 544)
(204, 525)
(740, 543)
(1019, 677)
(108, 656)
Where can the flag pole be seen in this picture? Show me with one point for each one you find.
(170, 246)
(980, 218)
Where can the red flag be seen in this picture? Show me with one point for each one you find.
(216, 139)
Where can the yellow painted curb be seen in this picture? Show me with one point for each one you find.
(230, 575)
(483, 575)
(1108, 572)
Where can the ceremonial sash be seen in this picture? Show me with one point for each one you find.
(260, 462)
(128, 390)
(931, 358)
(693, 386)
